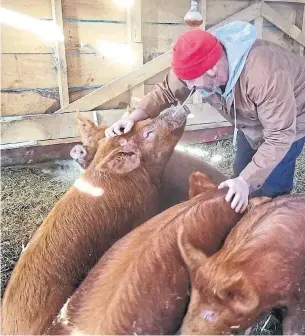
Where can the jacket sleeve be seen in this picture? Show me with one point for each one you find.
(171, 91)
(276, 109)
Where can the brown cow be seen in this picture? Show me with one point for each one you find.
(117, 192)
(175, 181)
(261, 266)
(140, 285)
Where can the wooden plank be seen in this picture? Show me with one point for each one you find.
(286, 11)
(60, 55)
(38, 70)
(27, 71)
(164, 11)
(82, 37)
(156, 78)
(86, 36)
(40, 9)
(92, 69)
(29, 102)
(290, 1)
(158, 64)
(206, 135)
(197, 97)
(14, 40)
(203, 11)
(289, 28)
(300, 23)
(93, 10)
(134, 32)
(120, 85)
(248, 14)
(278, 36)
(204, 115)
(34, 101)
(222, 9)
(55, 126)
(259, 22)
(119, 102)
(36, 154)
(159, 39)
(49, 126)
(137, 29)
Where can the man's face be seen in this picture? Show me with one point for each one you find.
(211, 80)
(208, 82)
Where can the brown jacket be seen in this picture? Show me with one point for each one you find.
(269, 100)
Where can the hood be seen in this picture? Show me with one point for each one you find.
(237, 38)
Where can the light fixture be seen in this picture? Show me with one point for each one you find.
(193, 17)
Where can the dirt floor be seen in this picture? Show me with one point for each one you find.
(28, 194)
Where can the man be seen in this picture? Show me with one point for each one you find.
(257, 85)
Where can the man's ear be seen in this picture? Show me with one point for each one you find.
(199, 183)
(120, 161)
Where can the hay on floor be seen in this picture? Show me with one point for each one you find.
(29, 193)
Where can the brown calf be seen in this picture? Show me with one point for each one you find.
(117, 192)
(175, 180)
(141, 285)
(261, 265)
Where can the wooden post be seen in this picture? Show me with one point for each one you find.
(60, 55)
(285, 25)
(197, 98)
(300, 23)
(134, 29)
(259, 23)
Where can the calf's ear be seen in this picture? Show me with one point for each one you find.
(239, 295)
(192, 256)
(120, 161)
(90, 133)
(199, 183)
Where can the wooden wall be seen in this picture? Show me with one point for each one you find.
(29, 74)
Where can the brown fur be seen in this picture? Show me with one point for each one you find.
(81, 227)
(141, 285)
(260, 266)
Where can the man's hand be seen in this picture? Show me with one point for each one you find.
(125, 125)
(238, 188)
(119, 127)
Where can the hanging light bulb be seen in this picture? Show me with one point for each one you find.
(193, 18)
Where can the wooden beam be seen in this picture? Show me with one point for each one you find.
(287, 27)
(60, 55)
(259, 22)
(31, 130)
(36, 154)
(133, 78)
(292, 1)
(134, 32)
(25, 129)
(248, 14)
(197, 98)
(300, 22)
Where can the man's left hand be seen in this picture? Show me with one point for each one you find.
(238, 188)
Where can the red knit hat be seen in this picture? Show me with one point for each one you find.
(194, 53)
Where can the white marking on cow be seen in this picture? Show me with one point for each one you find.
(88, 188)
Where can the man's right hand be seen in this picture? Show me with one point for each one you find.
(119, 127)
(125, 125)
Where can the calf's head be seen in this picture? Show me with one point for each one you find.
(149, 144)
(90, 135)
(223, 299)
